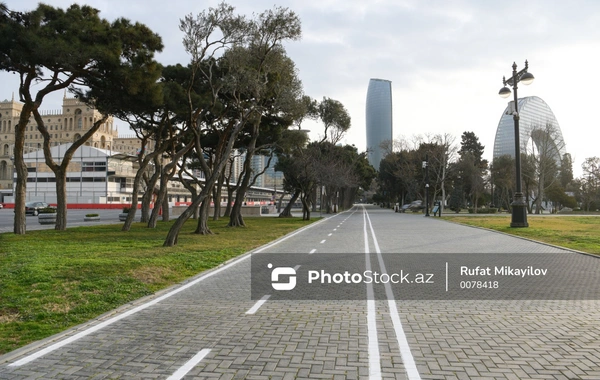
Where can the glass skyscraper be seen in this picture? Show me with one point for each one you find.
(534, 114)
(378, 118)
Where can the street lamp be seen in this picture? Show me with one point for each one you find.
(426, 167)
(519, 206)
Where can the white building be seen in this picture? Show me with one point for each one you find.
(94, 175)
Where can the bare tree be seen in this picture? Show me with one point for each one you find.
(544, 151)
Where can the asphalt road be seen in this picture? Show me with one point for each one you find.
(245, 320)
(74, 218)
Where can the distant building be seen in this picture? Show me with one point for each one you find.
(94, 176)
(378, 118)
(65, 126)
(534, 114)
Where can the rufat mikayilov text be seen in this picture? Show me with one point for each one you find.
(503, 270)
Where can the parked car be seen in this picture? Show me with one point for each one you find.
(413, 206)
(33, 208)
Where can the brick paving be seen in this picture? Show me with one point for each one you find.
(449, 339)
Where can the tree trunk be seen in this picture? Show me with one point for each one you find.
(148, 195)
(173, 234)
(305, 199)
(217, 197)
(538, 201)
(20, 191)
(287, 211)
(202, 228)
(160, 201)
(227, 212)
(61, 199)
(20, 220)
(236, 219)
(165, 207)
(134, 201)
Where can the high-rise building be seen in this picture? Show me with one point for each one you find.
(534, 115)
(378, 118)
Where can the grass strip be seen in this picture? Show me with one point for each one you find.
(53, 280)
(577, 232)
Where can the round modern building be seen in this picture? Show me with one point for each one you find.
(378, 118)
(535, 115)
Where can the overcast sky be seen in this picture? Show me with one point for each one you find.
(446, 59)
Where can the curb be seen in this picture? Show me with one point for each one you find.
(524, 238)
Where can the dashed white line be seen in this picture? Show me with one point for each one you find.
(330, 234)
(258, 304)
(312, 251)
(187, 367)
(323, 241)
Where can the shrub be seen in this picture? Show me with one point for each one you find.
(126, 210)
(91, 215)
(47, 210)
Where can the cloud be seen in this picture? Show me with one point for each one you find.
(445, 59)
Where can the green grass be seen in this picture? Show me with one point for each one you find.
(576, 232)
(50, 280)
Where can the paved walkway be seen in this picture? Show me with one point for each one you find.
(211, 328)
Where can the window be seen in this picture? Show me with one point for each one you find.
(98, 166)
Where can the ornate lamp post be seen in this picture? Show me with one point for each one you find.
(519, 206)
(426, 167)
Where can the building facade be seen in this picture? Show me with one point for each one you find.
(65, 126)
(94, 176)
(534, 114)
(378, 118)
(102, 170)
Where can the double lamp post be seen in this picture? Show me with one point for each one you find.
(519, 206)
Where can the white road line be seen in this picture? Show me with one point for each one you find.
(187, 367)
(117, 318)
(330, 234)
(446, 276)
(258, 304)
(407, 357)
(312, 251)
(126, 314)
(297, 267)
(374, 358)
(323, 241)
